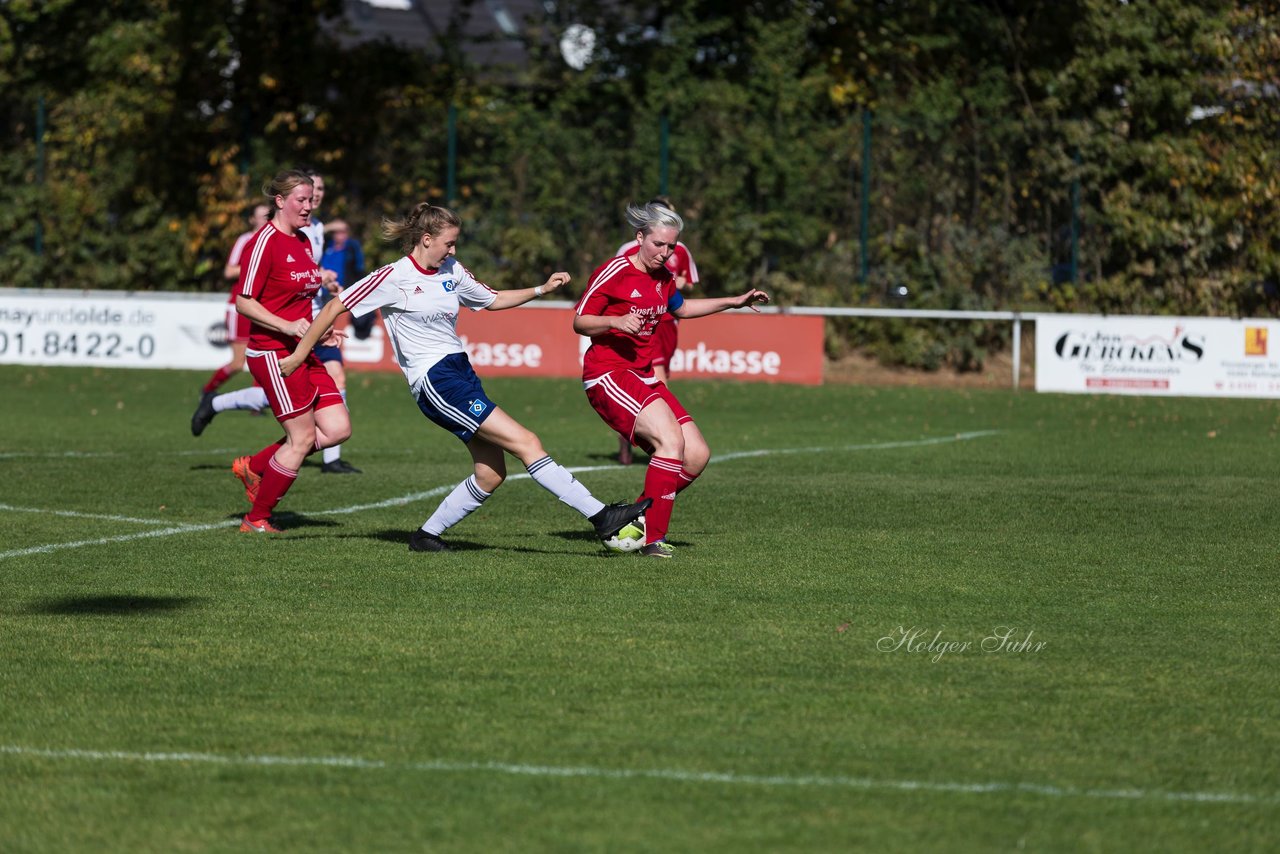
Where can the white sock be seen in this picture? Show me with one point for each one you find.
(335, 452)
(252, 397)
(466, 497)
(557, 480)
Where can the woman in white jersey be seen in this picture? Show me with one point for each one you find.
(420, 296)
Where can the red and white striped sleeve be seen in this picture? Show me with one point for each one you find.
(234, 258)
(693, 268)
(472, 292)
(594, 300)
(368, 295)
(253, 273)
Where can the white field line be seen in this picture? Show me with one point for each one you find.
(441, 490)
(875, 446)
(77, 515)
(667, 774)
(120, 538)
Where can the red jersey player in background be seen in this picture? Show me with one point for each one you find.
(237, 324)
(623, 304)
(665, 337)
(278, 282)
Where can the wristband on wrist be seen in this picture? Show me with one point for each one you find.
(537, 291)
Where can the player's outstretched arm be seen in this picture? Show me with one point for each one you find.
(520, 296)
(703, 307)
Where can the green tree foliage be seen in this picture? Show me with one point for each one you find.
(164, 118)
(1127, 102)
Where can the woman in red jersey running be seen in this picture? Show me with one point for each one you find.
(625, 300)
(277, 285)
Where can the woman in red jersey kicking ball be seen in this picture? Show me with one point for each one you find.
(277, 285)
(624, 302)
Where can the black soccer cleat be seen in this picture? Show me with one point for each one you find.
(203, 415)
(614, 517)
(339, 466)
(421, 541)
(658, 549)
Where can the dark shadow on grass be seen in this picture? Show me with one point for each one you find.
(401, 538)
(601, 552)
(574, 535)
(591, 537)
(294, 521)
(120, 605)
(386, 536)
(287, 521)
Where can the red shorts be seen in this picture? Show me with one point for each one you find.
(619, 396)
(664, 340)
(237, 325)
(309, 387)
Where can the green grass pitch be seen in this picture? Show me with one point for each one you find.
(897, 620)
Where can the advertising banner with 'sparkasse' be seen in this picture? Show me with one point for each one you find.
(539, 341)
(1174, 356)
(162, 330)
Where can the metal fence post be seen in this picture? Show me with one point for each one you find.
(864, 226)
(1017, 349)
(1075, 220)
(39, 242)
(664, 153)
(451, 184)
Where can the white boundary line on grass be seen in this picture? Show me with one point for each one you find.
(666, 774)
(75, 514)
(440, 490)
(119, 538)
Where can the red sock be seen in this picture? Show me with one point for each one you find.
(258, 462)
(219, 377)
(275, 483)
(686, 480)
(661, 483)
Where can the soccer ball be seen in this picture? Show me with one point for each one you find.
(629, 539)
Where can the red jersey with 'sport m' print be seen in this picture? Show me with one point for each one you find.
(617, 288)
(281, 274)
